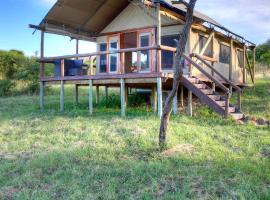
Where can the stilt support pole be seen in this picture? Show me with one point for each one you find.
(41, 95)
(159, 96)
(62, 93)
(90, 100)
(190, 109)
(123, 97)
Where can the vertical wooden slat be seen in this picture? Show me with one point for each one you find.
(158, 37)
(190, 109)
(62, 93)
(90, 97)
(244, 67)
(159, 96)
(123, 99)
(42, 65)
(41, 95)
(62, 68)
(175, 104)
(231, 60)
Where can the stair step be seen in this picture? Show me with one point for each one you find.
(231, 109)
(214, 97)
(221, 103)
(207, 91)
(200, 86)
(237, 116)
(193, 80)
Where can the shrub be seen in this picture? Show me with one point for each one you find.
(5, 87)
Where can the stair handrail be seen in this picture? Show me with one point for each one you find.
(238, 89)
(192, 62)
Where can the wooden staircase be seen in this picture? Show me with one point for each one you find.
(219, 102)
(207, 95)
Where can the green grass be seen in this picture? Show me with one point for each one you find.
(71, 155)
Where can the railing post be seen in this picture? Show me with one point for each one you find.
(158, 37)
(90, 70)
(62, 68)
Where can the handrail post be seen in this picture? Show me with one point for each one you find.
(62, 68)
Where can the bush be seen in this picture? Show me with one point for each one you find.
(5, 87)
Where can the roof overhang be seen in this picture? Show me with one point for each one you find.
(85, 19)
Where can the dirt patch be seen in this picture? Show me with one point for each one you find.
(8, 193)
(180, 149)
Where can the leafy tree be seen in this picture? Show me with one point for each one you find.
(263, 53)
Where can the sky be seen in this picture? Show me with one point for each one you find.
(249, 18)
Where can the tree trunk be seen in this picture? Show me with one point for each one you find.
(178, 72)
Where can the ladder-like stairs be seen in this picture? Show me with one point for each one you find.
(207, 95)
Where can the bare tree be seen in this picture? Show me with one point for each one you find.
(178, 70)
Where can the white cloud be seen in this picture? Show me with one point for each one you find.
(48, 2)
(249, 18)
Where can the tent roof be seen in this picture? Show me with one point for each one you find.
(88, 18)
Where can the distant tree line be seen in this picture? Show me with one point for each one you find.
(263, 53)
(18, 73)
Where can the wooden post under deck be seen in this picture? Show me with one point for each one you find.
(90, 97)
(175, 104)
(159, 95)
(62, 93)
(154, 98)
(106, 92)
(182, 96)
(123, 97)
(77, 94)
(97, 94)
(190, 109)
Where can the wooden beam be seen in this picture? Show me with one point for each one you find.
(231, 60)
(244, 68)
(90, 97)
(159, 95)
(42, 65)
(123, 99)
(62, 68)
(158, 38)
(210, 38)
(62, 93)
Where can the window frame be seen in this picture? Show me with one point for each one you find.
(140, 35)
(113, 39)
(106, 66)
(221, 60)
(210, 45)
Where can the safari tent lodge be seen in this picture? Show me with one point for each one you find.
(136, 45)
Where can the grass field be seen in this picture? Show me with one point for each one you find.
(71, 155)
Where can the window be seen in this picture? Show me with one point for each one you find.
(113, 58)
(103, 59)
(167, 57)
(129, 40)
(240, 56)
(224, 54)
(144, 55)
(202, 42)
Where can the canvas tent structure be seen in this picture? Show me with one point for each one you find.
(135, 48)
